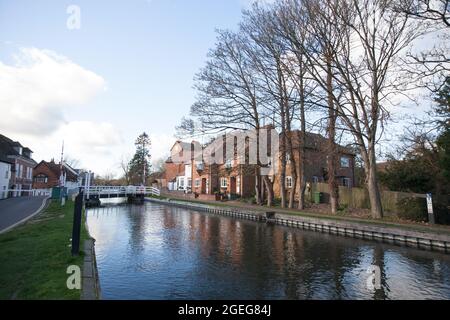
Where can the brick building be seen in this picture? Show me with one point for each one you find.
(48, 175)
(22, 164)
(213, 171)
(316, 162)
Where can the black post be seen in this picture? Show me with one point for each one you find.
(77, 223)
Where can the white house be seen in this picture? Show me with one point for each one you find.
(185, 182)
(5, 175)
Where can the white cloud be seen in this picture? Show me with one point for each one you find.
(35, 91)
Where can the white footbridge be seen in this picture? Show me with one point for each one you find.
(119, 191)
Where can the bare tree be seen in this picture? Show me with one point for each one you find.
(437, 11)
(268, 51)
(125, 166)
(371, 36)
(227, 93)
(291, 26)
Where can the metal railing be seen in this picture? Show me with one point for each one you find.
(28, 192)
(120, 190)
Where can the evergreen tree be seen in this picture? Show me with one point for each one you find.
(140, 163)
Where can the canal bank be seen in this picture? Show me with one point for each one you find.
(36, 256)
(392, 234)
(160, 251)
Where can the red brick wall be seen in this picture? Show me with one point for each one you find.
(173, 170)
(23, 180)
(314, 163)
(52, 180)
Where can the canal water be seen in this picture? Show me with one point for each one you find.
(155, 251)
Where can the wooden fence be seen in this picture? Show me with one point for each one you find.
(359, 197)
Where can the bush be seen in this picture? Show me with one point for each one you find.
(414, 209)
(441, 208)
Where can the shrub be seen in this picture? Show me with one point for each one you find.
(414, 209)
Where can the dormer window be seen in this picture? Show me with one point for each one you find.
(41, 178)
(345, 162)
(200, 166)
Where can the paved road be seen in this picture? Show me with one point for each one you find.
(14, 210)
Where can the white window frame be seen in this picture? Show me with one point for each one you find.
(288, 182)
(345, 162)
(222, 184)
(197, 183)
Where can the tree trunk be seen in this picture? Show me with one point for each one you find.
(332, 150)
(376, 207)
(269, 188)
(283, 170)
(257, 187)
(301, 150)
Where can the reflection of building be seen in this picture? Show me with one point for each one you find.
(20, 157)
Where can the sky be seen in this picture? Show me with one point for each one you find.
(97, 73)
(128, 68)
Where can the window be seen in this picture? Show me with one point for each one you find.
(223, 182)
(189, 183)
(346, 182)
(17, 170)
(288, 158)
(228, 164)
(315, 179)
(41, 178)
(181, 182)
(238, 185)
(345, 162)
(197, 183)
(288, 182)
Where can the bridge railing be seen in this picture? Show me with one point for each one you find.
(29, 192)
(118, 190)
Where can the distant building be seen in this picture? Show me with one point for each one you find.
(48, 175)
(22, 164)
(5, 176)
(234, 176)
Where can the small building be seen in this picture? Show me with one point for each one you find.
(5, 176)
(48, 175)
(22, 164)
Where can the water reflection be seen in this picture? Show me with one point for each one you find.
(161, 252)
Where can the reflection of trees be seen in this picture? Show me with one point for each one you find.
(378, 260)
(137, 223)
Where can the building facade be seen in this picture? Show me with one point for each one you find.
(22, 164)
(48, 175)
(232, 175)
(5, 176)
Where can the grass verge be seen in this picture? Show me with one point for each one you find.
(35, 256)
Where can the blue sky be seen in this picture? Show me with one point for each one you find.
(146, 52)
